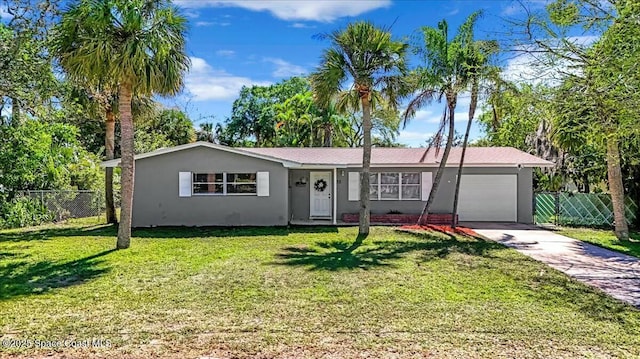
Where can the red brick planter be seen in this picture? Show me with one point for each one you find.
(434, 218)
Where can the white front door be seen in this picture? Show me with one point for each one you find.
(320, 188)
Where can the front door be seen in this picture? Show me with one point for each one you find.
(320, 188)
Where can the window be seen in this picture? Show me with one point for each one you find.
(224, 183)
(411, 185)
(204, 183)
(395, 186)
(241, 183)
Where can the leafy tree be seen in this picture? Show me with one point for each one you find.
(37, 155)
(607, 98)
(253, 112)
(385, 125)
(172, 123)
(27, 82)
(140, 45)
(375, 63)
(444, 75)
(97, 116)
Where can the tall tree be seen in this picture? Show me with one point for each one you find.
(477, 55)
(444, 75)
(366, 55)
(99, 101)
(253, 112)
(140, 45)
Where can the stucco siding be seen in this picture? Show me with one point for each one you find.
(156, 201)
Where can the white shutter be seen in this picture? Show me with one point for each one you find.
(354, 186)
(184, 180)
(263, 184)
(427, 182)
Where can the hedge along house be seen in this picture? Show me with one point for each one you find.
(204, 184)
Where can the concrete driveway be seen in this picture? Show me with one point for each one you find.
(615, 273)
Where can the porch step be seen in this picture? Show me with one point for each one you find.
(433, 218)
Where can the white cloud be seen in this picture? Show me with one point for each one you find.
(414, 138)
(206, 83)
(284, 68)
(300, 25)
(191, 14)
(212, 23)
(325, 11)
(533, 67)
(225, 53)
(516, 7)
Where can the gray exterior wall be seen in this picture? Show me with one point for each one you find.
(156, 201)
(443, 202)
(299, 195)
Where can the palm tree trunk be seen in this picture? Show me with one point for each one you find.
(365, 212)
(472, 112)
(127, 165)
(616, 188)
(327, 135)
(15, 112)
(451, 104)
(109, 145)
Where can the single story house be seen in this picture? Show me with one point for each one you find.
(204, 184)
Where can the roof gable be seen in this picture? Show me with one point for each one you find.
(162, 151)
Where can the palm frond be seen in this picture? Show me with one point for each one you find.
(436, 140)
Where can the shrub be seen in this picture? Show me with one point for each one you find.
(23, 212)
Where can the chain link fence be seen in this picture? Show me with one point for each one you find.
(578, 209)
(69, 204)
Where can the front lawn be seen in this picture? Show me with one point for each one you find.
(604, 238)
(296, 293)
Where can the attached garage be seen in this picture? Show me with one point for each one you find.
(488, 198)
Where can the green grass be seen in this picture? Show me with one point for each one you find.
(297, 293)
(604, 238)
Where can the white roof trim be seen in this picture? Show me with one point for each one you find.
(294, 164)
(162, 151)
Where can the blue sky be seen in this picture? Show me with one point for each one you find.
(245, 42)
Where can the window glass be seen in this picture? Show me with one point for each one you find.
(373, 192)
(389, 178)
(373, 178)
(241, 188)
(241, 177)
(204, 183)
(389, 191)
(411, 178)
(411, 191)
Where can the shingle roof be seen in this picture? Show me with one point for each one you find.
(352, 157)
(479, 156)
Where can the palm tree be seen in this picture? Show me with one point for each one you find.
(444, 75)
(366, 55)
(477, 57)
(137, 44)
(99, 101)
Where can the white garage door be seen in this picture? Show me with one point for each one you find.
(488, 198)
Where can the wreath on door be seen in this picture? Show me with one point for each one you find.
(320, 185)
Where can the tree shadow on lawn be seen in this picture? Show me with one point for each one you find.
(111, 230)
(43, 234)
(23, 277)
(340, 255)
